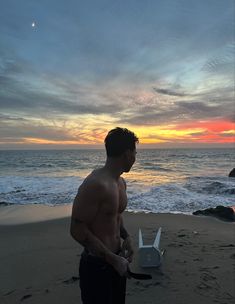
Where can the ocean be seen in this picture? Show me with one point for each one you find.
(161, 180)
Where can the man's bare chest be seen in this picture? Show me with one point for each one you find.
(115, 201)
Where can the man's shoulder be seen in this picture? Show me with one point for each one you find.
(95, 180)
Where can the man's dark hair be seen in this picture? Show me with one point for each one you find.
(119, 140)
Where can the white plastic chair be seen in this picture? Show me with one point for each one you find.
(150, 255)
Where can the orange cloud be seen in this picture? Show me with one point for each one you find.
(209, 132)
(42, 141)
(217, 131)
(213, 125)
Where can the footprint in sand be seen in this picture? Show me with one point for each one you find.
(208, 282)
(9, 292)
(71, 280)
(232, 256)
(207, 277)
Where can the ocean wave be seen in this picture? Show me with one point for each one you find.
(214, 186)
(41, 190)
(185, 197)
(176, 198)
(151, 166)
(175, 180)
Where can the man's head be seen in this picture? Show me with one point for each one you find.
(121, 142)
(118, 141)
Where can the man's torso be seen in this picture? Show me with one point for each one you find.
(106, 224)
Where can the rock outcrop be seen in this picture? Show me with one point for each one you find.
(221, 212)
(232, 173)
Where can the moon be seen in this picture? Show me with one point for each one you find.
(33, 24)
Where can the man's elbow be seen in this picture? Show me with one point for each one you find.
(72, 232)
(78, 233)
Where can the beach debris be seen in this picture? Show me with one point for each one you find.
(26, 297)
(181, 235)
(71, 280)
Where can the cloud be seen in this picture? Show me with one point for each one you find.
(50, 96)
(199, 133)
(7, 118)
(29, 98)
(222, 63)
(34, 130)
(169, 92)
(168, 62)
(177, 112)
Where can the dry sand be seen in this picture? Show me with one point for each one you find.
(39, 260)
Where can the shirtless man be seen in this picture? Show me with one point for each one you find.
(97, 223)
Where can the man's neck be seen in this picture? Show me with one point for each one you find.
(113, 167)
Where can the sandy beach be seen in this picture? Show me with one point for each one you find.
(39, 259)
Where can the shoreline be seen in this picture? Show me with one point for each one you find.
(33, 213)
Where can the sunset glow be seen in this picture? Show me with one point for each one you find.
(168, 76)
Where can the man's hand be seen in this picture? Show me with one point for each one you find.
(127, 250)
(120, 264)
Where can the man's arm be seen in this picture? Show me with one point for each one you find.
(123, 232)
(85, 207)
(127, 249)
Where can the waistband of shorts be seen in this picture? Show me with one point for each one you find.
(87, 254)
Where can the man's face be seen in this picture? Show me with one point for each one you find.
(130, 157)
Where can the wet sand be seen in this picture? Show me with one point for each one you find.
(39, 260)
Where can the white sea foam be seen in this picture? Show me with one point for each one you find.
(178, 198)
(38, 190)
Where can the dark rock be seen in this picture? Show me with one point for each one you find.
(4, 204)
(26, 297)
(221, 212)
(232, 173)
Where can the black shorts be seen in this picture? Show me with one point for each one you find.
(100, 282)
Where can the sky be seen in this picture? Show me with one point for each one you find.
(72, 70)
